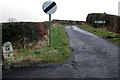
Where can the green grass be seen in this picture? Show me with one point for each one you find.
(103, 33)
(59, 51)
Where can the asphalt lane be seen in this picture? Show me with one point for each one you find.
(93, 57)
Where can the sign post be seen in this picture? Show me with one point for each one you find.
(49, 42)
(49, 7)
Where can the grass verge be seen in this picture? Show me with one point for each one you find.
(58, 52)
(113, 37)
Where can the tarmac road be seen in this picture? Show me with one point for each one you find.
(92, 57)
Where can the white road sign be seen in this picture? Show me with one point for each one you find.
(49, 7)
(99, 21)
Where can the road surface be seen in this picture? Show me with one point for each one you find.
(92, 57)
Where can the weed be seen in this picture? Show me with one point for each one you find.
(37, 52)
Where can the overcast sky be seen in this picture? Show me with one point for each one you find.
(31, 10)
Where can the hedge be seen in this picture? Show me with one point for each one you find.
(21, 33)
(112, 21)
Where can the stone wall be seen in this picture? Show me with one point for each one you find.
(67, 22)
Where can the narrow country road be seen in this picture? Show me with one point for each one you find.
(92, 57)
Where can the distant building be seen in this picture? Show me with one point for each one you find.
(119, 8)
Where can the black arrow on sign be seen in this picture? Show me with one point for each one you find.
(49, 7)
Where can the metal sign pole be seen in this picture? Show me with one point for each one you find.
(49, 30)
(49, 7)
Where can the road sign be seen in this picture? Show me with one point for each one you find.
(99, 21)
(49, 7)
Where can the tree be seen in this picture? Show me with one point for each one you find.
(12, 20)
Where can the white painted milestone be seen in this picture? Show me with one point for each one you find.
(7, 50)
